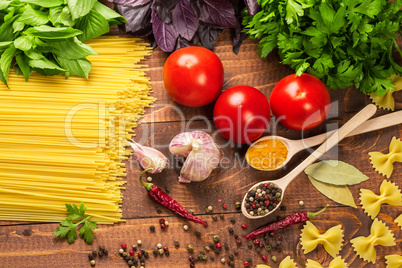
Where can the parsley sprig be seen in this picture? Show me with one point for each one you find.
(342, 42)
(68, 227)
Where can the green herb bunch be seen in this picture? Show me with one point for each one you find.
(342, 42)
(46, 35)
(68, 229)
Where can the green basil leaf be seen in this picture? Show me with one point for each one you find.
(22, 62)
(5, 60)
(72, 49)
(80, 8)
(6, 30)
(24, 42)
(17, 69)
(92, 26)
(48, 32)
(48, 72)
(4, 4)
(44, 3)
(338, 193)
(18, 26)
(44, 64)
(4, 45)
(335, 172)
(34, 54)
(33, 17)
(61, 15)
(80, 67)
(111, 16)
(2, 78)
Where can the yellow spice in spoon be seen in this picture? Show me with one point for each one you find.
(267, 154)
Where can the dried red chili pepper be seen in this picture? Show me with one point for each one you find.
(296, 218)
(164, 199)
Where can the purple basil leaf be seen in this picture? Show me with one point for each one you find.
(237, 34)
(163, 9)
(185, 19)
(208, 34)
(165, 34)
(182, 42)
(197, 6)
(218, 12)
(132, 3)
(138, 18)
(252, 7)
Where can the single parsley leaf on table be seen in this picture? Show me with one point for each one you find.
(67, 227)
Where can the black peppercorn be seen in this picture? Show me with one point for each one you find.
(146, 254)
(100, 253)
(105, 252)
(236, 236)
(94, 253)
(197, 233)
(167, 253)
(159, 210)
(155, 252)
(226, 246)
(221, 216)
(90, 256)
(212, 258)
(231, 230)
(232, 220)
(130, 262)
(231, 257)
(231, 263)
(152, 228)
(250, 246)
(216, 251)
(135, 261)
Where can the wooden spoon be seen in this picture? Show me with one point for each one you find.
(338, 135)
(295, 146)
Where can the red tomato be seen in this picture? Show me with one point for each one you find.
(241, 114)
(300, 102)
(193, 76)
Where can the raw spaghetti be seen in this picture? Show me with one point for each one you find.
(63, 140)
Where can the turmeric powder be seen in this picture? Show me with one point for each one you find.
(267, 154)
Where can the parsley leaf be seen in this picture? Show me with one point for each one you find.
(342, 42)
(67, 227)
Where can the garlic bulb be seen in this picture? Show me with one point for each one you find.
(202, 155)
(149, 157)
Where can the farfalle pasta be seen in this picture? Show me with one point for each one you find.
(387, 101)
(379, 235)
(398, 221)
(383, 163)
(338, 262)
(389, 194)
(393, 261)
(287, 263)
(331, 240)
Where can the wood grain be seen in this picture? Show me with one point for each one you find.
(32, 244)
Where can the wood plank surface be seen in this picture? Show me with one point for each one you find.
(32, 244)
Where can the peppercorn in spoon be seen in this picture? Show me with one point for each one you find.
(280, 185)
(274, 152)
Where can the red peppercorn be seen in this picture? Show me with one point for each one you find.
(238, 240)
(124, 245)
(163, 226)
(131, 252)
(272, 234)
(218, 245)
(244, 226)
(276, 202)
(256, 242)
(266, 185)
(266, 197)
(219, 200)
(266, 203)
(253, 205)
(161, 220)
(165, 248)
(246, 264)
(139, 255)
(192, 264)
(190, 258)
(224, 206)
(264, 258)
(248, 210)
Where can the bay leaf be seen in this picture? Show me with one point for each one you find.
(335, 172)
(338, 193)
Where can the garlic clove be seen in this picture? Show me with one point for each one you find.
(149, 157)
(181, 144)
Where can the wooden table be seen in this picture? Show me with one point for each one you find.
(24, 244)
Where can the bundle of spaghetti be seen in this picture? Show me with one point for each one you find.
(63, 140)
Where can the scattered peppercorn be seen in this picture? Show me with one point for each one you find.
(124, 254)
(244, 226)
(236, 252)
(246, 264)
(237, 205)
(139, 254)
(226, 246)
(232, 220)
(160, 251)
(92, 262)
(231, 263)
(216, 238)
(221, 216)
(149, 179)
(135, 261)
(231, 257)
(176, 244)
(165, 248)
(214, 217)
(236, 236)
(139, 242)
(134, 247)
(146, 254)
(301, 203)
(225, 206)
(159, 210)
(124, 245)
(249, 245)
(152, 228)
(121, 251)
(192, 264)
(231, 230)
(238, 240)
(190, 248)
(207, 249)
(216, 251)
(209, 208)
(268, 247)
(130, 262)
(131, 252)
(273, 258)
(212, 258)
(218, 245)
(155, 251)
(197, 233)
(223, 260)
(185, 227)
(167, 253)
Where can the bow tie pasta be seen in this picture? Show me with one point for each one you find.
(389, 194)
(398, 220)
(335, 263)
(379, 235)
(287, 263)
(393, 261)
(331, 239)
(383, 163)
